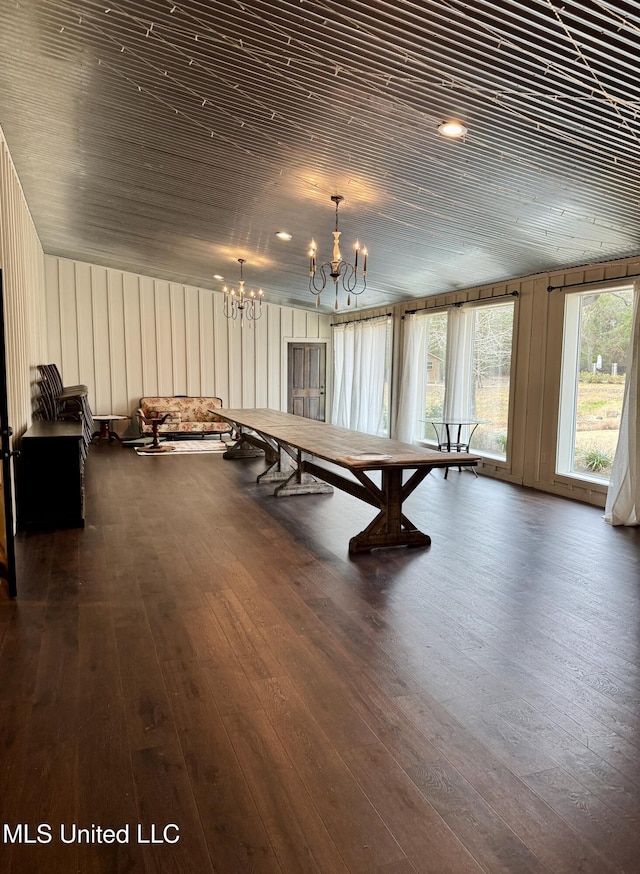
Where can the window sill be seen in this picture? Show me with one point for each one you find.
(493, 456)
(584, 478)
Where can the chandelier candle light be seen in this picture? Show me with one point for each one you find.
(240, 303)
(338, 268)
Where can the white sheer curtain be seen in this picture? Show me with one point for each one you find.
(459, 366)
(360, 357)
(342, 374)
(412, 378)
(623, 497)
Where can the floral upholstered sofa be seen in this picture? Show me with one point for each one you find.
(185, 415)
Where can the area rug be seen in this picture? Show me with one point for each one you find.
(186, 447)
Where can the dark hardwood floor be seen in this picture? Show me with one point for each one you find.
(205, 655)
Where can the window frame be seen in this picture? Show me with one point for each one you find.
(565, 438)
(474, 306)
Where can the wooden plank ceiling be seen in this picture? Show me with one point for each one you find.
(170, 139)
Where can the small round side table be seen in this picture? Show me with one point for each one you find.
(106, 431)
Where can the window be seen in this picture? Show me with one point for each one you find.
(435, 351)
(492, 342)
(597, 332)
(471, 379)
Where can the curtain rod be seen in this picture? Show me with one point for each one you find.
(551, 288)
(463, 302)
(363, 319)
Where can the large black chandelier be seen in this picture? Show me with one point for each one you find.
(240, 303)
(343, 274)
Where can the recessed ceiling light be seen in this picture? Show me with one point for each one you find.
(217, 276)
(283, 235)
(452, 129)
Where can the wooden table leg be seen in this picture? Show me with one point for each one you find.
(246, 446)
(300, 481)
(105, 432)
(281, 466)
(391, 527)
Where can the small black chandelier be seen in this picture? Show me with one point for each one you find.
(239, 303)
(340, 271)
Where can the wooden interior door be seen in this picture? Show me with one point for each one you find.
(307, 379)
(7, 545)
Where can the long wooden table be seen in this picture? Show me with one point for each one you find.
(292, 445)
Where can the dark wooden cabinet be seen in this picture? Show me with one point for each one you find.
(51, 482)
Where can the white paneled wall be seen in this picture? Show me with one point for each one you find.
(127, 336)
(22, 263)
